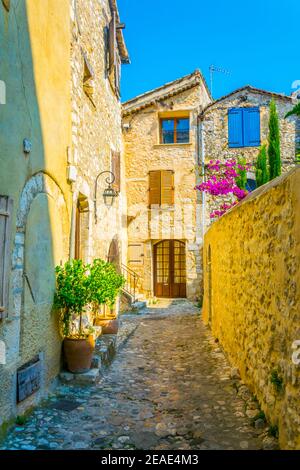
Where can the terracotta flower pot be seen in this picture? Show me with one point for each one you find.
(78, 354)
(110, 326)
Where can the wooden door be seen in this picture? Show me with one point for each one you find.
(170, 269)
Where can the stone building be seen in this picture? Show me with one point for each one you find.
(97, 52)
(236, 125)
(60, 129)
(35, 199)
(160, 130)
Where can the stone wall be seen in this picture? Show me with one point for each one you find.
(251, 302)
(214, 132)
(96, 131)
(143, 153)
(35, 65)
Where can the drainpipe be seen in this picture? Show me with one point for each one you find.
(201, 147)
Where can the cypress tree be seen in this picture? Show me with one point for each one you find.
(274, 143)
(261, 172)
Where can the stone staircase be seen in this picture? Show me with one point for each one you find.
(136, 300)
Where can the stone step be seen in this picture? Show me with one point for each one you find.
(139, 305)
(91, 376)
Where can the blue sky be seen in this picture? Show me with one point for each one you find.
(258, 41)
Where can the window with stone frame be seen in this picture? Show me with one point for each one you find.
(88, 78)
(175, 130)
(6, 206)
(116, 169)
(113, 61)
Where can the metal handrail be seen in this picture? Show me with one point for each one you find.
(131, 281)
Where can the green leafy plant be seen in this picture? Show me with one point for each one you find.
(259, 415)
(274, 143)
(241, 180)
(261, 172)
(105, 284)
(21, 420)
(72, 294)
(276, 380)
(273, 431)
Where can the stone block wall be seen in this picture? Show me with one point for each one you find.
(252, 297)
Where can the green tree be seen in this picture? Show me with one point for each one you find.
(294, 112)
(274, 143)
(261, 172)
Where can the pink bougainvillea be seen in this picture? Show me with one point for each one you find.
(223, 180)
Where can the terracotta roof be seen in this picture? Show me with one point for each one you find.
(251, 89)
(120, 37)
(165, 91)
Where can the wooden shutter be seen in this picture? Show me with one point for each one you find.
(167, 187)
(154, 188)
(235, 127)
(251, 127)
(116, 169)
(106, 49)
(5, 234)
(135, 253)
(112, 43)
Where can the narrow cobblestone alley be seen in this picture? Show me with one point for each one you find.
(168, 388)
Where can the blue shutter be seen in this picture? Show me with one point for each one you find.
(251, 123)
(235, 127)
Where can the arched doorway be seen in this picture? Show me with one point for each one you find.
(114, 254)
(81, 228)
(170, 269)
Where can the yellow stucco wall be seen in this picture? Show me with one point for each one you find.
(252, 297)
(35, 66)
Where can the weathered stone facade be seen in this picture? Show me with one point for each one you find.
(61, 123)
(252, 278)
(144, 153)
(35, 65)
(214, 131)
(96, 129)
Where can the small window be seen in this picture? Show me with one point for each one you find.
(161, 188)
(116, 169)
(250, 185)
(243, 127)
(175, 131)
(5, 234)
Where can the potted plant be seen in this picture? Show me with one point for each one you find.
(105, 284)
(71, 297)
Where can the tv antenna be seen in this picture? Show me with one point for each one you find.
(212, 70)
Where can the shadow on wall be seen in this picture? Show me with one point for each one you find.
(38, 239)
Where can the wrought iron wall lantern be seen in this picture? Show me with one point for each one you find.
(109, 194)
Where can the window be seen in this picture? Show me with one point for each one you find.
(161, 187)
(244, 127)
(250, 184)
(5, 233)
(112, 57)
(116, 169)
(88, 78)
(175, 131)
(6, 4)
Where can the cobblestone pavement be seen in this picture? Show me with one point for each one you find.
(168, 388)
